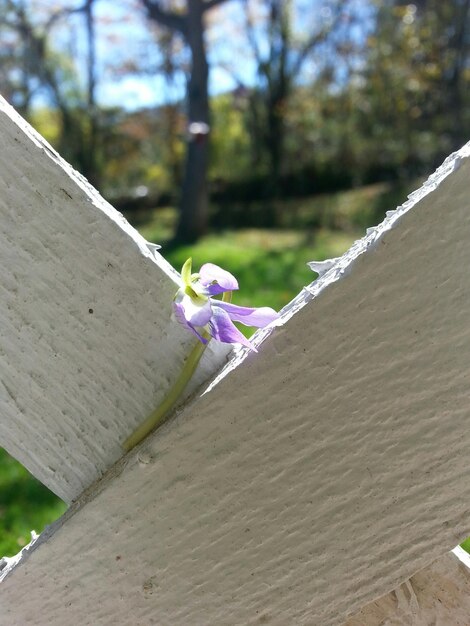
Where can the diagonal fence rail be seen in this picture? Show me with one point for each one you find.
(306, 482)
(87, 345)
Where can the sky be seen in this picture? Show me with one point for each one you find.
(125, 42)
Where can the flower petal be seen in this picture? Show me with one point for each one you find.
(259, 317)
(222, 328)
(179, 314)
(186, 272)
(215, 280)
(196, 312)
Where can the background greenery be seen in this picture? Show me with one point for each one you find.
(323, 115)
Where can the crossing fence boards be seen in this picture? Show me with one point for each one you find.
(308, 480)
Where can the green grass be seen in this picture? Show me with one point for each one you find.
(25, 505)
(466, 545)
(270, 265)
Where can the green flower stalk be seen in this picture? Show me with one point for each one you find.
(157, 418)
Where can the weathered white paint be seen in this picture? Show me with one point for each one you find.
(87, 346)
(312, 477)
(439, 595)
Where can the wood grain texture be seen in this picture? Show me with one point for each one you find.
(312, 478)
(87, 346)
(438, 595)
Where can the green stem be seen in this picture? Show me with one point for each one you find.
(156, 418)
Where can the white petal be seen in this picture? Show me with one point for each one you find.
(196, 312)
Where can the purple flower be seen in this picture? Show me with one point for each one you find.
(199, 312)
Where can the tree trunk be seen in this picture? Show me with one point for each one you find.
(460, 46)
(275, 140)
(194, 200)
(91, 157)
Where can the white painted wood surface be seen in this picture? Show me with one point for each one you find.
(438, 595)
(87, 346)
(311, 478)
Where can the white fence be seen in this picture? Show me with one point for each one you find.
(306, 482)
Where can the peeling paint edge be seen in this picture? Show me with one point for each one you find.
(340, 267)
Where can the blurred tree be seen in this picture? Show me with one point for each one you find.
(284, 36)
(443, 31)
(315, 107)
(170, 48)
(92, 166)
(187, 19)
(21, 77)
(415, 96)
(38, 67)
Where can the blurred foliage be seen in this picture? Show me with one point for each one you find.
(414, 98)
(25, 505)
(230, 142)
(270, 265)
(371, 92)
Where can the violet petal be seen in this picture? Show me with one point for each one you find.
(222, 328)
(196, 311)
(215, 280)
(259, 317)
(179, 314)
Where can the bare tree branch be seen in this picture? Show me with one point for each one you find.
(210, 4)
(231, 71)
(173, 21)
(63, 13)
(251, 35)
(316, 39)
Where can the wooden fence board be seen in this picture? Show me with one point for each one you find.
(87, 346)
(309, 479)
(439, 595)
